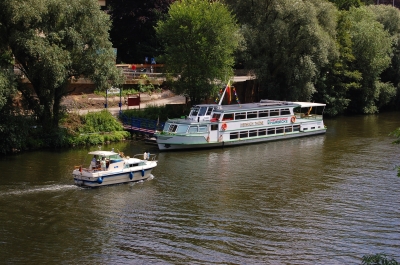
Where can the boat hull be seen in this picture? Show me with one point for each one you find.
(184, 142)
(112, 178)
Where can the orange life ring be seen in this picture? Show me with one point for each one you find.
(224, 126)
(293, 119)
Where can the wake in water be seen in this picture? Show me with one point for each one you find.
(46, 188)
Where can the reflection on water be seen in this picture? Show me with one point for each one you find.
(327, 199)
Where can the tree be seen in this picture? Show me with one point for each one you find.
(372, 49)
(346, 4)
(54, 42)
(133, 32)
(389, 17)
(200, 38)
(288, 42)
(7, 84)
(340, 75)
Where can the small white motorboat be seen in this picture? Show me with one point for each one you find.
(109, 167)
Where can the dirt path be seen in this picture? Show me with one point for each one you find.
(83, 104)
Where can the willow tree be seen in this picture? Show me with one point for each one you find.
(372, 47)
(389, 17)
(54, 42)
(199, 38)
(287, 43)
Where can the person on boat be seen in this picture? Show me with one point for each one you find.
(145, 155)
(103, 163)
(93, 163)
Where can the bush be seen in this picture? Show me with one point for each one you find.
(93, 128)
(154, 112)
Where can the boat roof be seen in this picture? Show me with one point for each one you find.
(310, 104)
(102, 153)
(265, 103)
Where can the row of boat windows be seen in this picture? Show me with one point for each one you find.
(252, 114)
(202, 111)
(234, 135)
(134, 165)
(263, 132)
(189, 129)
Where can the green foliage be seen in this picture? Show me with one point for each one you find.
(93, 128)
(133, 32)
(55, 41)
(346, 4)
(339, 76)
(288, 44)
(372, 49)
(390, 18)
(200, 38)
(101, 121)
(378, 259)
(161, 113)
(16, 133)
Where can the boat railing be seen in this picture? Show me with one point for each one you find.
(151, 157)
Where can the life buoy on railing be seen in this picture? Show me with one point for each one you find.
(293, 119)
(224, 126)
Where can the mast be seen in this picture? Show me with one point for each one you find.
(223, 94)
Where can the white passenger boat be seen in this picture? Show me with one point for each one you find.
(215, 125)
(109, 167)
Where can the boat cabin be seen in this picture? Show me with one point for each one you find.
(201, 112)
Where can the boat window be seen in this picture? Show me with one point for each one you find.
(274, 112)
(182, 128)
(133, 165)
(251, 114)
(240, 116)
(253, 133)
(285, 112)
(192, 129)
(210, 109)
(244, 134)
(288, 129)
(172, 128)
(194, 112)
(234, 135)
(279, 130)
(263, 113)
(227, 117)
(262, 132)
(202, 111)
(271, 131)
(216, 116)
(214, 127)
(166, 127)
(296, 128)
(203, 128)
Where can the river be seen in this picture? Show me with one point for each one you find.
(327, 199)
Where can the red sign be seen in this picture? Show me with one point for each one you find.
(134, 101)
